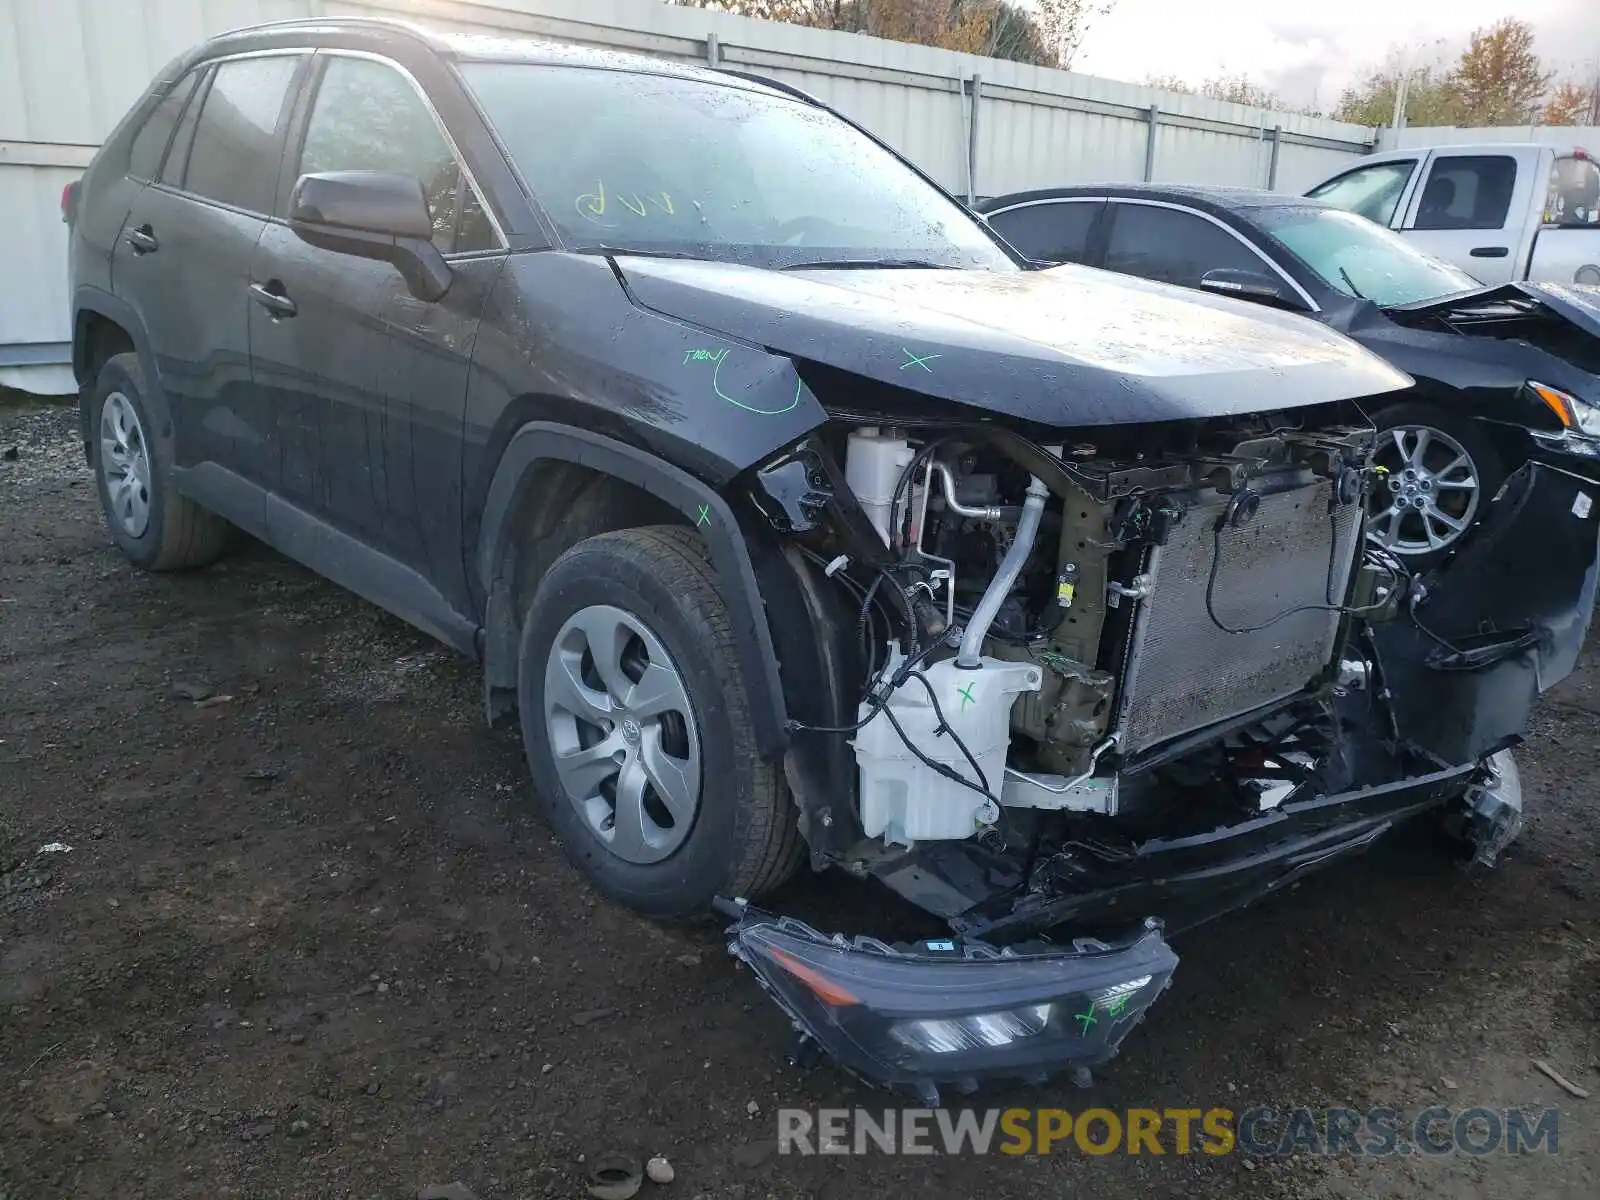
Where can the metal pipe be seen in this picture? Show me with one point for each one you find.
(949, 563)
(992, 513)
(1006, 577)
(1057, 789)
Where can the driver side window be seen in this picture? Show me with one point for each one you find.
(368, 117)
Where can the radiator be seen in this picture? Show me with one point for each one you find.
(1181, 672)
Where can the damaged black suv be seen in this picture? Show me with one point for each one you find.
(797, 520)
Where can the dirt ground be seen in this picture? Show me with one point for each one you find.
(312, 939)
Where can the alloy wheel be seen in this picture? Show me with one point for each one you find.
(125, 464)
(1428, 492)
(622, 733)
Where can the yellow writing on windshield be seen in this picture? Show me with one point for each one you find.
(592, 205)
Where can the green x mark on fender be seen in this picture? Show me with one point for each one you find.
(966, 695)
(705, 516)
(918, 360)
(1088, 1018)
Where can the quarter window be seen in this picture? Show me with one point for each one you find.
(1057, 231)
(1467, 192)
(368, 117)
(236, 150)
(1173, 247)
(1574, 196)
(1372, 192)
(150, 145)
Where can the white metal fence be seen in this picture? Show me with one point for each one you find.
(1563, 137)
(70, 68)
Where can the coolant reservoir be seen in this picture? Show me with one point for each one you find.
(873, 462)
(904, 800)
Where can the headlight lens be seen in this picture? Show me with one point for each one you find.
(1575, 415)
(943, 1012)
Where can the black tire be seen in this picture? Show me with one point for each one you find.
(1488, 463)
(744, 839)
(178, 532)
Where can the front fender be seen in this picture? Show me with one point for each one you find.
(542, 441)
(1500, 622)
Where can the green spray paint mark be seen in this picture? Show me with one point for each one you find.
(1088, 1019)
(717, 358)
(918, 360)
(705, 516)
(966, 696)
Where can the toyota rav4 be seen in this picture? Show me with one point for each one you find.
(798, 520)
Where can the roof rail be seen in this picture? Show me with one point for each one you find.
(776, 85)
(394, 24)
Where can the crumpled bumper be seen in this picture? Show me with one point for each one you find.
(952, 1013)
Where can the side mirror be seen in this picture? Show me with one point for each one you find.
(1250, 285)
(372, 214)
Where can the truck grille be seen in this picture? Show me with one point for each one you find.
(1182, 673)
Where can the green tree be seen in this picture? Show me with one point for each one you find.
(1432, 94)
(1048, 36)
(1499, 79)
(1570, 104)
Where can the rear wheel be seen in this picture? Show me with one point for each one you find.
(131, 451)
(1439, 471)
(637, 727)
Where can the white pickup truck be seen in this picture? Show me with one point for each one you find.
(1501, 212)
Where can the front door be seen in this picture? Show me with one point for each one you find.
(366, 382)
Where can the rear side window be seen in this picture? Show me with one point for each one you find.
(1057, 231)
(1467, 192)
(1172, 246)
(150, 144)
(236, 149)
(1372, 192)
(1574, 198)
(368, 117)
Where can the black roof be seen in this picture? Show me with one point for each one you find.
(1202, 196)
(382, 33)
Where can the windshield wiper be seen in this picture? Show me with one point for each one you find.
(865, 264)
(637, 253)
(1351, 283)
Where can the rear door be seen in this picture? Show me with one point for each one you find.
(1473, 210)
(183, 262)
(1058, 231)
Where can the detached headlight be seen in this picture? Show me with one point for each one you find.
(1576, 416)
(941, 1012)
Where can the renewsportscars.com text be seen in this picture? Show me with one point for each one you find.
(1261, 1131)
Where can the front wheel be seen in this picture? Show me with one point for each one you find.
(637, 727)
(1438, 472)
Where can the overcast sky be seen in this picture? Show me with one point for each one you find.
(1310, 52)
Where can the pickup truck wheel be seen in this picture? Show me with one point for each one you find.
(637, 727)
(153, 526)
(1439, 472)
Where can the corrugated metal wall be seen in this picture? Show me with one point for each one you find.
(69, 69)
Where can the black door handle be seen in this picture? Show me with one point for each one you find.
(143, 240)
(270, 296)
(1489, 251)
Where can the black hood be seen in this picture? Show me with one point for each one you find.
(1065, 346)
(1506, 303)
(1491, 340)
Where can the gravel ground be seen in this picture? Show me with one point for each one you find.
(311, 939)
